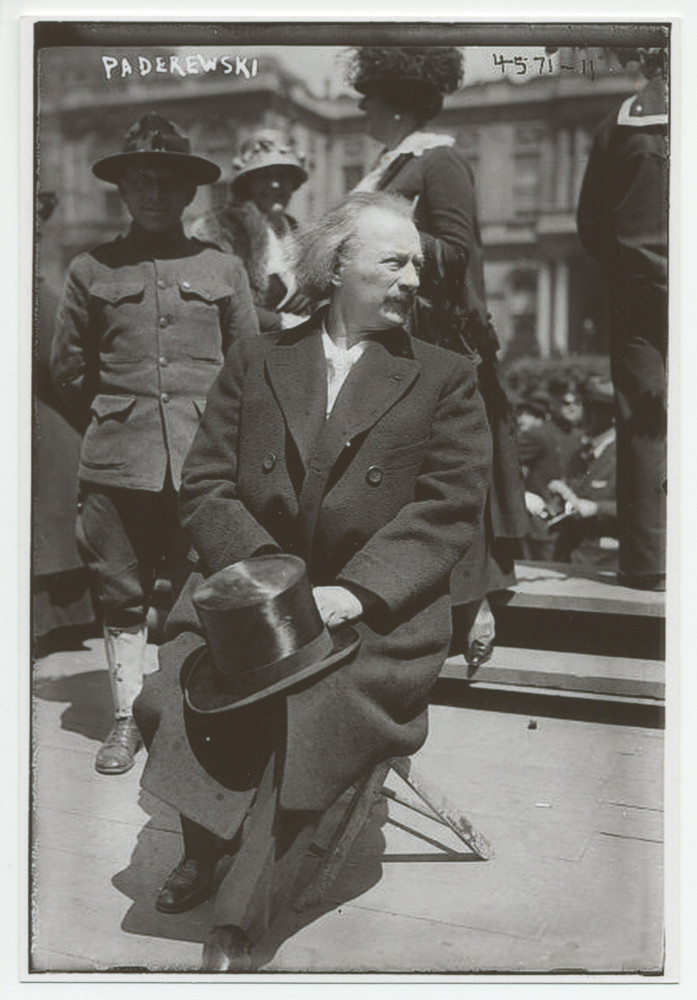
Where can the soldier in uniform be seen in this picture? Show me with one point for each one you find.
(623, 224)
(142, 329)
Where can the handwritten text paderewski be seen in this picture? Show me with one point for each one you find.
(142, 65)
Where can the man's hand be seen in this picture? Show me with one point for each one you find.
(337, 605)
(535, 504)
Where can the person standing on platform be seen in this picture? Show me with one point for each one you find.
(142, 329)
(623, 224)
(403, 89)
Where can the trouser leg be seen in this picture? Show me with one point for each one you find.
(119, 535)
(638, 372)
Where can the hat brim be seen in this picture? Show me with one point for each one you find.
(300, 175)
(196, 169)
(204, 695)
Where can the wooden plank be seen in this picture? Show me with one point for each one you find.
(564, 588)
(583, 672)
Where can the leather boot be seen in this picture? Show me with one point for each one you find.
(125, 652)
(117, 754)
(187, 885)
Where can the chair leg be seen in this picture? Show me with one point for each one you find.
(367, 791)
(435, 800)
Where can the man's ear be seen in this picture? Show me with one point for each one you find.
(337, 271)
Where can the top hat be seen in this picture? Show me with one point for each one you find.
(154, 142)
(269, 149)
(264, 634)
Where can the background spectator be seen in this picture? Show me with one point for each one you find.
(255, 225)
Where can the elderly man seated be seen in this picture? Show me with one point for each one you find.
(364, 452)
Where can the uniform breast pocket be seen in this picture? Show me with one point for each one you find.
(120, 305)
(201, 301)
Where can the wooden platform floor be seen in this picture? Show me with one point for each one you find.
(573, 809)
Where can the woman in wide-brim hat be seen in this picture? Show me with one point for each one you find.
(255, 225)
(403, 88)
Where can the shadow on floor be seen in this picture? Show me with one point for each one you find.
(89, 711)
(157, 851)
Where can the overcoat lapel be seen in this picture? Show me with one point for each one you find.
(297, 372)
(376, 382)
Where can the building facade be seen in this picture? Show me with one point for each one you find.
(528, 145)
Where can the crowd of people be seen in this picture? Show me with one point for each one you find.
(268, 406)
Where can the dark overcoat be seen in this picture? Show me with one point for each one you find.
(453, 313)
(384, 496)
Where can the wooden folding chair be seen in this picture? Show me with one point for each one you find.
(436, 807)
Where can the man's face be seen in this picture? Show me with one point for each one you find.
(156, 198)
(377, 283)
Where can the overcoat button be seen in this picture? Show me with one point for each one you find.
(165, 397)
(374, 475)
(268, 462)
(163, 321)
(186, 284)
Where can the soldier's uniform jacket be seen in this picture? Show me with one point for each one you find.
(140, 337)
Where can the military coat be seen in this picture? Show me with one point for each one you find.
(141, 333)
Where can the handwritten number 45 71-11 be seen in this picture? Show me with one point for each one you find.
(545, 64)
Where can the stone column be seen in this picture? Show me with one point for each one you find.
(563, 185)
(544, 307)
(560, 324)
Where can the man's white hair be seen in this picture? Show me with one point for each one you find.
(330, 242)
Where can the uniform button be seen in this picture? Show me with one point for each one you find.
(163, 362)
(268, 462)
(374, 475)
(185, 284)
(161, 284)
(165, 397)
(163, 321)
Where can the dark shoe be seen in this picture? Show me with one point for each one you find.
(117, 753)
(189, 884)
(227, 950)
(480, 640)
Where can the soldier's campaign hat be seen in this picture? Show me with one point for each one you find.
(268, 149)
(153, 142)
(264, 634)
